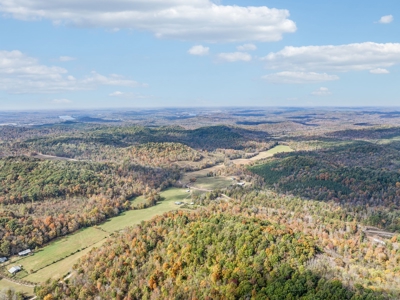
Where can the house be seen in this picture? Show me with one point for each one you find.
(3, 259)
(14, 269)
(25, 252)
(178, 203)
(241, 183)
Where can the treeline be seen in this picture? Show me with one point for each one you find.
(24, 179)
(208, 138)
(202, 255)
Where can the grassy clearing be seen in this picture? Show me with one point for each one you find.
(263, 155)
(134, 217)
(5, 284)
(62, 248)
(277, 149)
(212, 183)
(138, 200)
(61, 268)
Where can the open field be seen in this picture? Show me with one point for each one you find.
(62, 248)
(5, 284)
(212, 183)
(61, 268)
(264, 154)
(134, 217)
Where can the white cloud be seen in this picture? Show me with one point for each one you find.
(67, 58)
(299, 77)
(199, 50)
(344, 58)
(234, 56)
(129, 95)
(20, 73)
(379, 71)
(114, 79)
(62, 101)
(201, 20)
(386, 19)
(247, 47)
(322, 91)
(116, 94)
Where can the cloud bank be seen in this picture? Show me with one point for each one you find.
(342, 58)
(20, 73)
(200, 20)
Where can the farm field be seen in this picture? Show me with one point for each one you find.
(62, 248)
(212, 183)
(264, 154)
(134, 217)
(91, 237)
(61, 268)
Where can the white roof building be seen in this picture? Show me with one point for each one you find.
(25, 252)
(14, 269)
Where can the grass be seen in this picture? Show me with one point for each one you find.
(62, 248)
(134, 217)
(139, 200)
(61, 268)
(5, 284)
(212, 183)
(277, 149)
(264, 154)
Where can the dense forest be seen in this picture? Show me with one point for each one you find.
(42, 200)
(203, 255)
(361, 175)
(79, 143)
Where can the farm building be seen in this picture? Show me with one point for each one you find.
(14, 269)
(25, 252)
(3, 259)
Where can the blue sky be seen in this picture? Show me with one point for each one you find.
(174, 53)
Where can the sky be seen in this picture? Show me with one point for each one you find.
(86, 54)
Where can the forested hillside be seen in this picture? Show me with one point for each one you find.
(42, 200)
(361, 175)
(207, 255)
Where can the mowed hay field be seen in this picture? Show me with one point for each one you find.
(212, 183)
(61, 268)
(62, 248)
(134, 217)
(264, 154)
(64, 251)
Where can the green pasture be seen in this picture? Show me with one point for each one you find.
(60, 269)
(212, 183)
(134, 217)
(277, 149)
(62, 248)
